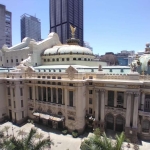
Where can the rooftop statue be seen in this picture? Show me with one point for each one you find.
(100, 68)
(133, 67)
(72, 31)
(25, 65)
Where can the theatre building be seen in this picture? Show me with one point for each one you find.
(60, 85)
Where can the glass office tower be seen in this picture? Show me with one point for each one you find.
(30, 27)
(62, 14)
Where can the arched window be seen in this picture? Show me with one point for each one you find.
(145, 126)
(60, 113)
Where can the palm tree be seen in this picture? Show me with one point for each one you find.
(39, 136)
(21, 133)
(119, 141)
(97, 142)
(5, 129)
(27, 143)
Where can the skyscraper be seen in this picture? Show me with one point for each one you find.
(62, 14)
(30, 27)
(5, 27)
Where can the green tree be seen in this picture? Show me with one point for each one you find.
(97, 142)
(27, 143)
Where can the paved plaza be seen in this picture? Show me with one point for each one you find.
(61, 142)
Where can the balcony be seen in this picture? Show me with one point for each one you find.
(71, 107)
(143, 113)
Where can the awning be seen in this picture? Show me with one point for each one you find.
(47, 117)
(36, 114)
(55, 118)
(44, 116)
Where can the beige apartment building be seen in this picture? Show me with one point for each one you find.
(62, 86)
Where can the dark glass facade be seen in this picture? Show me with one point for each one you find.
(62, 14)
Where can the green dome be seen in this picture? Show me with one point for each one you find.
(144, 59)
(141, 64)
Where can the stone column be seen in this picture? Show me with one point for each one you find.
(125, 100)
(37, 93)
(66, 100)
(97, 105)
(57, 95)
(63, 96)
(102, 104)
(128, 110)
(115, 98)
(135, 111)
(106, 97)
(143, 101)
(51, 94)
(102, 111)
(33, 95)
(42, 93)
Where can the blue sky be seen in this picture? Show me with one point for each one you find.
(109, 25)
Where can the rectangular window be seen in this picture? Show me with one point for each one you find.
(90, 77)
(71, 118)
(48, 77)
(21, 103)
(147, 103)
(21, 92)
(8, 89)
(30, 92)
(71, 98)
(12, 60)
(70, 84)
(90, 100)
(39, 93)
(90, 110)
(14, 104)
(9, 102)
(111, 98)
(67, 59)
(90, 91)
(31, 109)
(22, 114)
(13, 92)
(62, 59)
(16, 60)
(53, 77)
(120, 99)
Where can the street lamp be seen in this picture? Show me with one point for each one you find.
(49, 140)
(13, 131)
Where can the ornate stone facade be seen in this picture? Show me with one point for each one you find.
(67, 90)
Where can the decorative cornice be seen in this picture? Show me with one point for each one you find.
(99, 84)
(136, 94)
(102, 90)
(133, 86)
(129, 92)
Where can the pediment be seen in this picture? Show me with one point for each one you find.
(71, 71)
